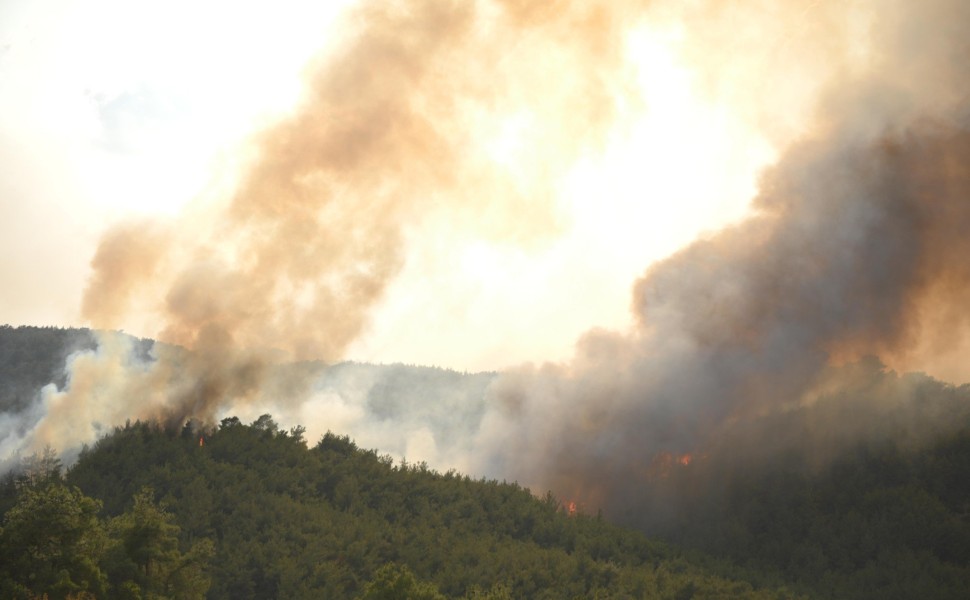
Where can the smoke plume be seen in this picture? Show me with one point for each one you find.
(856, 243)
(393, 129)
(471, 113)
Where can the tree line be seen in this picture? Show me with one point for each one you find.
(251, 511)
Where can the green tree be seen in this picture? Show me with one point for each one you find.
(41, 469)
(397, 582)
(51, 544)
(146, 562)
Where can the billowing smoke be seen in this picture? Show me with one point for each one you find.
(855, 245)
(393, 129)
(465, 113)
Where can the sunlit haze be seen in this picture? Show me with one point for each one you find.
(114, 110)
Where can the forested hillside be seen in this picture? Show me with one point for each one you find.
(32, 357)
(250, 511)
(382, 406)
(879, 523)
(862, 491)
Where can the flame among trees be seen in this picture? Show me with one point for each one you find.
(664, 463)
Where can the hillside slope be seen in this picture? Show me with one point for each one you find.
(288, 521)
(860, 491)
(392, 407)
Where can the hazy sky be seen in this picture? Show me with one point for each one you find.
(111, 111)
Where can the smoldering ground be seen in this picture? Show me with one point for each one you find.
(854, 246)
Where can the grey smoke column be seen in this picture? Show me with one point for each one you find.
(857, 234)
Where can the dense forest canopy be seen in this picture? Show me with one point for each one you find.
(250, 511)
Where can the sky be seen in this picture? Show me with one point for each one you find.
(114, 112)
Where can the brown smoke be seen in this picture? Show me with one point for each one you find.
(389, 132)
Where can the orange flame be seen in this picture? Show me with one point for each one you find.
(201, 441)
(571, 508)
(665, 462)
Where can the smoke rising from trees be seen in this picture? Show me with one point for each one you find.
(855, 245)
(855, 242)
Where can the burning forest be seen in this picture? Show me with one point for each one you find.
(437, 147)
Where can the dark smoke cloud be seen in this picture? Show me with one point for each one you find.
(857, 234)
